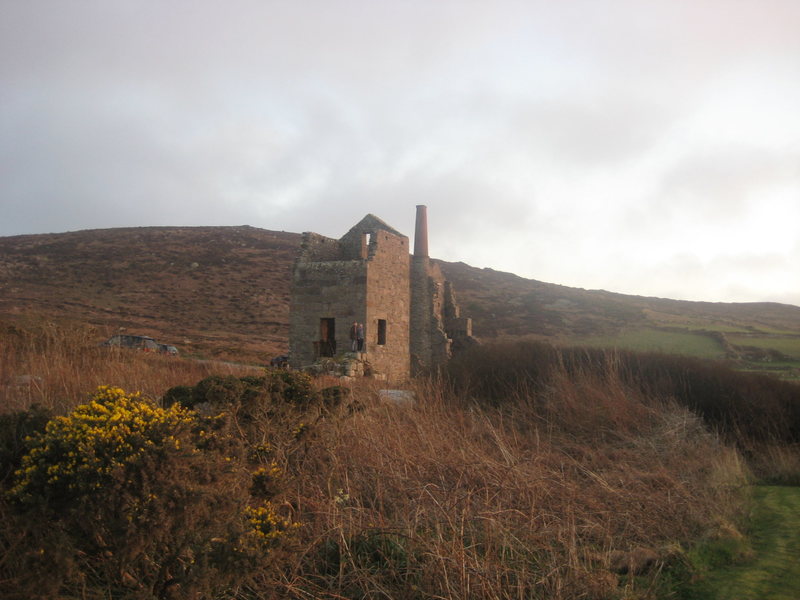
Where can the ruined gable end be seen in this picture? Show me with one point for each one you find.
(408, 311)
(360, 278)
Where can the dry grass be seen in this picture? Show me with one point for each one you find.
(776, 463)
(446, 500)
(59, 365)
(451, 498)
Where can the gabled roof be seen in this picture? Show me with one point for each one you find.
(371, 223)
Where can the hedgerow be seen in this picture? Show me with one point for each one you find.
(747, 408)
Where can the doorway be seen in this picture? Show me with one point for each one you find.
(327, 336)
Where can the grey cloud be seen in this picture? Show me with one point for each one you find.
(306, 115)
(748, 277)
(593, 133)
(720, 182)
(685, 276)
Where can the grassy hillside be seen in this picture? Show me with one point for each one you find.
(223, 292)
(212, 291)
(755, 336)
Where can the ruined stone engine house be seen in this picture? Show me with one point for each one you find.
(409, 313)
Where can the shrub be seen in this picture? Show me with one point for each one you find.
(118, 497)
(266, 481)
(267, 527)
(89, 449)
(277, 386)
(334, 396)
(293, 387)
(14, 429)
(269, 411)
(496, 373)
(180, 394)
(217, 389)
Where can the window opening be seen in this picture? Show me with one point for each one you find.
(381, 332)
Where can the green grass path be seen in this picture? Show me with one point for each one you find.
(773, 572)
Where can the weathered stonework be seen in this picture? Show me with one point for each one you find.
(430, 345)
(437, 328)
(408, 311)
(363, 277)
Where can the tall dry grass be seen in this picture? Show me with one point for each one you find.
(459, 495)
(747, 408)
(531, 500)
(59, 365)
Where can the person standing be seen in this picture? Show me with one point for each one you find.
(360, 337)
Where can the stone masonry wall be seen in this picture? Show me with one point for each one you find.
(348, 281)
(330, 289)
(388, 299)
(430, 346)
(316, 247)
(368, 276)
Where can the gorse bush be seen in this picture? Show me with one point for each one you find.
(266, 525)
(277, 410)
(128, 499)
(15, 428)
(99, 443)
(276, 386)
(293, 387)
(218, 390)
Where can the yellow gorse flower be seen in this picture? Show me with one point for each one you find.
(266, 524)
(77, 453)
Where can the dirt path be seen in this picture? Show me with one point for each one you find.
(774, 571)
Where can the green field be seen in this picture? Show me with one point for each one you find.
(700, 343)
(656, 340)
(788, 345)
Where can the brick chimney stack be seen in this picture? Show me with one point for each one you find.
(421, 232)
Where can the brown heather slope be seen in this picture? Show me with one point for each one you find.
(504, 304)
(212, 291)
(223, 292)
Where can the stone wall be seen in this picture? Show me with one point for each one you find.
(353, 244)
(430, 345)
(316, 247)
(325, 290)
(388, 299)
(458, 328)
(349, 280)
(411, 319)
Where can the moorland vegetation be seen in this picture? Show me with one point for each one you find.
(521, 471)
(223, 293)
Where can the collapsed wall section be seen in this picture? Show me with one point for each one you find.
(437, 327)
(430, 344)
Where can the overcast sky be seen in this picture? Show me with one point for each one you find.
(644, 147)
